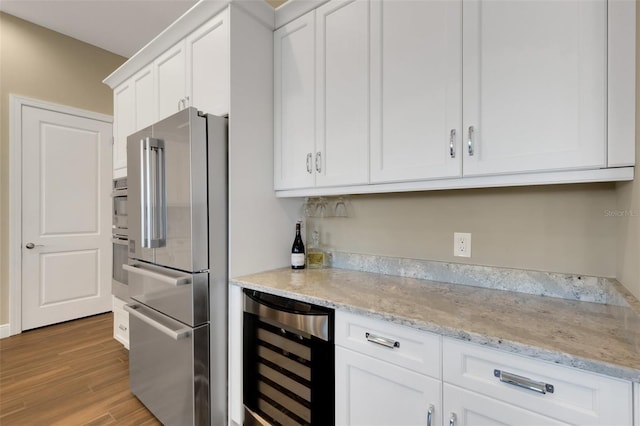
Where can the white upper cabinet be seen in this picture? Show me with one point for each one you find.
(416, 92)
(193, 72)
(456, 94)
(144, 98)
(171, 76)
(208, 66)
(535, 85)
(321, 92)
(123, 125)
(342, 103)
(134, 109)
(294, 99)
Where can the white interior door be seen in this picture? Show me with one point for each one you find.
(66, 180)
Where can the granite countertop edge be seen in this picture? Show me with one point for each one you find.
(494, 342)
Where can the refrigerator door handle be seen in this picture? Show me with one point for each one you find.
(153, 206)
(175, 334)
(176, 281)
(144, 161)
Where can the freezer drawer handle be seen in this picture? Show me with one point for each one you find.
(384, 341)
(181, 280)
(174, 334)
(523, 382)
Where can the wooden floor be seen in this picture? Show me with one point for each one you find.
(73, 373)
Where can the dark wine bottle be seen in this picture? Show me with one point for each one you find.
(297, 250)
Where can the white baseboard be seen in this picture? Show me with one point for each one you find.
(5, 331)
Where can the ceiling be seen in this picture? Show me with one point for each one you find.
(119, 26)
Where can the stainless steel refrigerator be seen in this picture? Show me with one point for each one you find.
(177, 173)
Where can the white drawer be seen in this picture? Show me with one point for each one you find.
(578, 397)
(473, 409)
(416, 350)
(120, 322)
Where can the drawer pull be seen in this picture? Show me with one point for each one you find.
(430, 414)
(122, 327)
(523, 382)
(389, 343)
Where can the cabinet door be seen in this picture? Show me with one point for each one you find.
(208, 66)
(170, 69)
(294, 97)
(371, 392)
(534, 83)
(123, 125)
(472, 409)
(342, 111)
(416, 91)
(145, 113)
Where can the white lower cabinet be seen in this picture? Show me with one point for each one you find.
(466, 408)
(636, 404)
(120, 322)
(389, 374)
(386, 374)
(566, 394)
(372, 392)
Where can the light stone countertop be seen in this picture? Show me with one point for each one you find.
(597, 337)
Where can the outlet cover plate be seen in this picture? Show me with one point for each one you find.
(462, 244)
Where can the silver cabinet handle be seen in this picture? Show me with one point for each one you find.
(31, 246)
(523, 382)
(453, 419)
(430, 414)
(384, 341)
(470, 141)
(176, 334)
(309, 169)
(318, 162)
(122, 327)
(177, 280)
(179, 104)
(452, 139)
(186, 102)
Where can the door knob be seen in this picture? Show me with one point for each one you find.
(31, 245)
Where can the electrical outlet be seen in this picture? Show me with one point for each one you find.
(462, 244)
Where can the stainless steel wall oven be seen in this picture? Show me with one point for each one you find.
(288, 362)
(120, 239)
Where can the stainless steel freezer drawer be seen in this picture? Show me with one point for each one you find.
(169, 367)
(180, 295)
